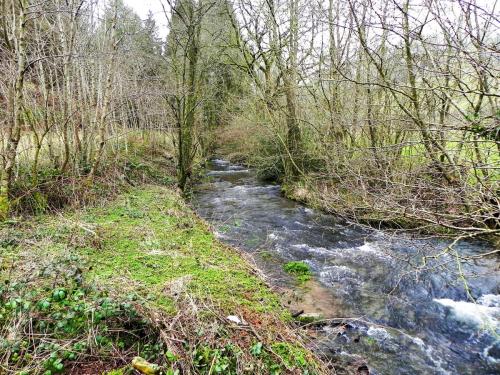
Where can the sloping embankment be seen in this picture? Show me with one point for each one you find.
(84, 292)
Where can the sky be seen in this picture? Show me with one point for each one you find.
(142, 7)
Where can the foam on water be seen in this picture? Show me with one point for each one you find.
(429, 352)
(483, 314)
(220, 173)
(311, 249)
(273, 236)
(337, 273)
(367, 248)
(490, 300)
(253, 189)
(419, 342)
(371, 248)
(380, 334)
(302, 224)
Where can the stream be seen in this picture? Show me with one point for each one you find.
(399, 320)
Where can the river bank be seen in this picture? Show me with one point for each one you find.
(353, 208)
(84, 291)
(375, 208)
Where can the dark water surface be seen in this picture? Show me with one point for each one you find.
(408, 322)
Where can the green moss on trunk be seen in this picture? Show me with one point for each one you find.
(4, 207)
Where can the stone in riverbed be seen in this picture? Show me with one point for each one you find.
(312, 317)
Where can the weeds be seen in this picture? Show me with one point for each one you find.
(85, 292)
(50, 189)
(58, 318)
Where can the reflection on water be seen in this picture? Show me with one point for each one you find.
(408, 322)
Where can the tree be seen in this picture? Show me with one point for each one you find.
(16, 39)
(183, 54)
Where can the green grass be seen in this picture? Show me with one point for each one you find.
(150, 237)
(132, 264)
(417, 155)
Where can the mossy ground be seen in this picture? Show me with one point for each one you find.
(159, 282)
(151, 238)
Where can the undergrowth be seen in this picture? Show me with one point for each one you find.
(48, 189)
(54, 318)
(86, 291)
(93, 275)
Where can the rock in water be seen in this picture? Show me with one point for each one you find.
(144, 367)
(311, 318)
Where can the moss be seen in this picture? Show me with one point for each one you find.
(4, 206)
(144, 250)
(147, 238)
(299, 269)
(310, 318)
(151, 237)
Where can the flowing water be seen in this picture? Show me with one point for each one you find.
(401, 321)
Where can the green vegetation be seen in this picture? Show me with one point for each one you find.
(299, 269)
(149, 234)
(377, 123)
(138, 276)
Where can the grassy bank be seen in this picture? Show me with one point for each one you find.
(87, 290)
(378, 211)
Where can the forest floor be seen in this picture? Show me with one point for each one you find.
(84, 291)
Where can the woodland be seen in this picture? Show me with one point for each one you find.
(382, 112)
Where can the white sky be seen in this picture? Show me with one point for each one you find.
(142, 7)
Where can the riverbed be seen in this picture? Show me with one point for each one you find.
(398, 317)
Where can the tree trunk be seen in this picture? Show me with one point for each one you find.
(14, 130)
(189, 102)
(106, 97)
